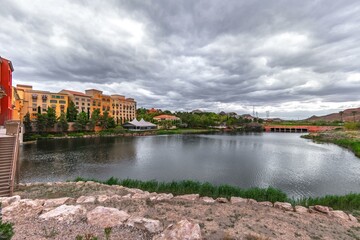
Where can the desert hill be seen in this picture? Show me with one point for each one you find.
(347, 116)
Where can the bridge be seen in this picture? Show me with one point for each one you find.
(9, 157)
(297, 129)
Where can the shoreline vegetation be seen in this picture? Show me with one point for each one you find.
(349, 202)
(30, 137)
(346, 139)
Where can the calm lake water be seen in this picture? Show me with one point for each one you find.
(297, 166)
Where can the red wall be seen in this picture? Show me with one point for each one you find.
(309, 128)
(6, 83)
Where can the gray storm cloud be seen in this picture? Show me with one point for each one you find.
(292, 58)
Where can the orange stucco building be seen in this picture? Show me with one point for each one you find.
(6, 69)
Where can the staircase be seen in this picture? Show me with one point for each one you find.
(9, 157)
(7, 145)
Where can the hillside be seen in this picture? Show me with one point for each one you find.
(347, 116)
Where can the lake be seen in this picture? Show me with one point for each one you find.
(295, 165)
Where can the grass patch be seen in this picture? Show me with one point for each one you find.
(349, 202)
(353, 144)
(203, 189)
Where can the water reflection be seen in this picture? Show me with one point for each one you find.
(297, 166)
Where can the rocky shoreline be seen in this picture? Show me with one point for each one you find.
(66, 210)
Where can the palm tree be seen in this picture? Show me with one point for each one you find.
(353, 113)
(341, 115)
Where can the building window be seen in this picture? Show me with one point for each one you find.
(62, 102)
(77, 99)
(77, 103)
(53, 101)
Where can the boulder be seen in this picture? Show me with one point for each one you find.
(266, 203)
(161, 197)
(339, 214)
(251, 201)
(352, 218)
(150, 225)
(102, 198)
(181, 230)
(301, 209)
(80, 184)
(283, 206)
(190, 197)
(106, 217)
(221, 200)
(6, 201)
(55, 202)
(127, 196)
(322, 209)
(10, 209)
(64, 213)
(86, 199)
(236, 200)
(134, 190)
(31, 203)
(207, 199)
(140, 195)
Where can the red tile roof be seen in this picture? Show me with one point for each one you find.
(166, 117)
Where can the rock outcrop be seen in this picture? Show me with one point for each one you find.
(139, 214)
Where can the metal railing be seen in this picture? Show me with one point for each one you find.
(13, 128)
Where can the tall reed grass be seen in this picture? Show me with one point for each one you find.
(349, 202)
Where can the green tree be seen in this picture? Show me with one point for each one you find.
(166, 124)
(50, 118)
(107, 122)
(27, 122)
(94, 120)
(71, 112)
(81, 121)
(41, 122)
(63, 124)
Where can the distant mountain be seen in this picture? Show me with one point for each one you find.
(347, 116)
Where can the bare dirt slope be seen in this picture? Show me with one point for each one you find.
(216, 219)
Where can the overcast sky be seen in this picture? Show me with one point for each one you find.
(291, 58)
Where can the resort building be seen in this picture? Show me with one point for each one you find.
(152, 110)
(26, 99)
(96, 98)
(81, 100)
(120, 108)
(165, 117)
(105, 104)
(37, 101)
(6, 69)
